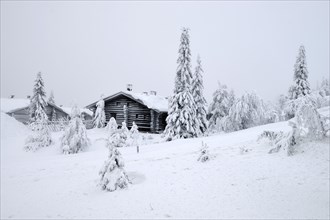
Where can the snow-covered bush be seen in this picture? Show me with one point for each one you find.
(246, 112)
(113, 175)
(75, 137)
(112, 126)
(281, 140)
(308, 119)
(204, 153)
(219, 108)
(99, 118)
(307, 124)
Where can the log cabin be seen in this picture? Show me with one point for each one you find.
(19, 109)
(147, 110)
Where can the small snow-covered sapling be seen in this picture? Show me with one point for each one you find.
(204, 153)
(113, 175)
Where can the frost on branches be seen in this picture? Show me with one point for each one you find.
(197, 92)
(99, 118)
(246, 112)
(38, 103)
(220, 105)
(75, 137)
(41, 136)
(112, 126)
(113, 175)
(181, 120)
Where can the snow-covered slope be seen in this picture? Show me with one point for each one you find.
(11, 128)
(168, 181)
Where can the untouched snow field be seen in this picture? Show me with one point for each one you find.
(167, 180)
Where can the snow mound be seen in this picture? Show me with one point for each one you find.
(11, 128)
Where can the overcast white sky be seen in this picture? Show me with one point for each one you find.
(85, 49)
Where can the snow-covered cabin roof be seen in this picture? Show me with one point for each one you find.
(85, 110)
(8, 104)
(155, 102)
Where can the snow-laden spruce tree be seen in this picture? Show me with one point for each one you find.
(112, 174)
(99, 118)
(124, 133)
(181, 120)
(301, 85)
(134, 134)
(246, 112)
(38, 100)
(51, 98)
(197, 92)
(112, 126)
(220, 105)
(40, 136)
(75, 137)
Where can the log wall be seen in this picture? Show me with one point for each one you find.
(135, 111)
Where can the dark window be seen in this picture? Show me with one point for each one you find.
(145, 116)
(117, 103)
(113, 115)
(136, 116)
(127, 104)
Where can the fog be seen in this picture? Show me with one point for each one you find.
(85, 49)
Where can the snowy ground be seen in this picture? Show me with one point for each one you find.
(168, 182)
